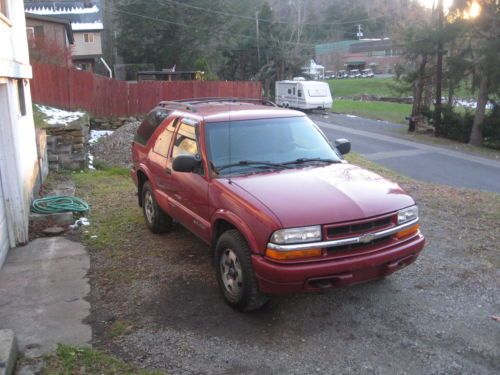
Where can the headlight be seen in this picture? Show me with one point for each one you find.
(408, 214)
(297, 235)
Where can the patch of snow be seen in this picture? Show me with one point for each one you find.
(61, 10)
(56, 116)
(91, 161)
(95, 135)
(468, 103)
(87, 26)
(83, 221)
(352, 116)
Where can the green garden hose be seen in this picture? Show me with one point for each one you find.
(57, 204)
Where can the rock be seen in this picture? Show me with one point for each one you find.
(114, 150)
(53, 231)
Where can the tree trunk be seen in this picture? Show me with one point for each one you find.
(418, 89)
(451, 90)
(476, 135)
(427, 95)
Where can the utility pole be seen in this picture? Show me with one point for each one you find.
(257, 32)
(439, 68)
(359, 34)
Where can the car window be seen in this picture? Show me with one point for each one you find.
(272, 140)
(149, 125)
(185, 141)
(162, 144)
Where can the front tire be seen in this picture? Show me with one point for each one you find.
(235, 273)
(156, 219)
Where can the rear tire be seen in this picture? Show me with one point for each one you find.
(235, 273)
(156, 219)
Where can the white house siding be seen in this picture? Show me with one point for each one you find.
(4, 235)
(18, 155)
(82, 48)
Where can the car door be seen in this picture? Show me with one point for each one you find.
(189, 199)
(159, 164)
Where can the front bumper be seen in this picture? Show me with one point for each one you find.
(277, 278)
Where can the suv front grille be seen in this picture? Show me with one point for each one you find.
(358, 246)
(349, 230)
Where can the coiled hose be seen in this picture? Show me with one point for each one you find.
(57, 204)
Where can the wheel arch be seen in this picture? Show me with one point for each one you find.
(224, 221)
(142, 177)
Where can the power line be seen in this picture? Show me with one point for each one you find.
(261, 19)
(204, 28)
(161, 20)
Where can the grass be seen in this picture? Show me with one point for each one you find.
(69, 360)
(393, 112)
(38, 118)
(344, 88)
(103, 190)
(355, 87)
(119, 328)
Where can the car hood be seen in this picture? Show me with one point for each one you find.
(322, 195)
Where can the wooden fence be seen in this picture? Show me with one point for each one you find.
(72, 89)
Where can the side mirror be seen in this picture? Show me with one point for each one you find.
(343, 145)
(186, 163)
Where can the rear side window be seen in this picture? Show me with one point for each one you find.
(149, 125)
(162, 144)
(185, 141)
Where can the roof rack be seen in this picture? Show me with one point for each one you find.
(187, 103)
(173, 104)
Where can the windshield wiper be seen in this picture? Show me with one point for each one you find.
(251, 162)
(307, 160)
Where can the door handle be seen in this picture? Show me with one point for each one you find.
(168, 170)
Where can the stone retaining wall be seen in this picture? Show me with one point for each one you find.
(111, 123)
(67, 145)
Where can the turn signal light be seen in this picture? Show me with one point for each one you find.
(292, 254)
(408, 232)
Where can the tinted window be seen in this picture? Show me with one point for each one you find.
(163, 142)
(149, 125)
(185, 141)
(272, 140)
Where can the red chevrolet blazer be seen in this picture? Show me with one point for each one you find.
(279, 206)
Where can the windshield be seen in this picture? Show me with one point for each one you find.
(272, 141)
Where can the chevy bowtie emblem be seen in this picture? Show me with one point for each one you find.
(365, 238)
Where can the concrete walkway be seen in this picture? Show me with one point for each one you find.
(42, 291)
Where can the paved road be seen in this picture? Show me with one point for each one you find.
(378, 141)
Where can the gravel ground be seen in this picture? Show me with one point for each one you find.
(156, 304)
(114, 150)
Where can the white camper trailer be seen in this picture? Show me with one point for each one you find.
(302, 94)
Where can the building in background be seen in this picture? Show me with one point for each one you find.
(86, 24)
(19, 170)
(50, 39)
(378, 54)
(314, 71)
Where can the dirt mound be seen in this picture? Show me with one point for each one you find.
(114, 149)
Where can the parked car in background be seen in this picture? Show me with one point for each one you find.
(329, 74)
(276, 203)
(367, 73)
(354, 73)
(342, 74)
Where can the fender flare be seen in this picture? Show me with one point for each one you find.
(239, 224)
(142, 169)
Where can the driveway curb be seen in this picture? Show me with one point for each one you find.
(8, 351)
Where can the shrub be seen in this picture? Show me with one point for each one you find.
(458, 126)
